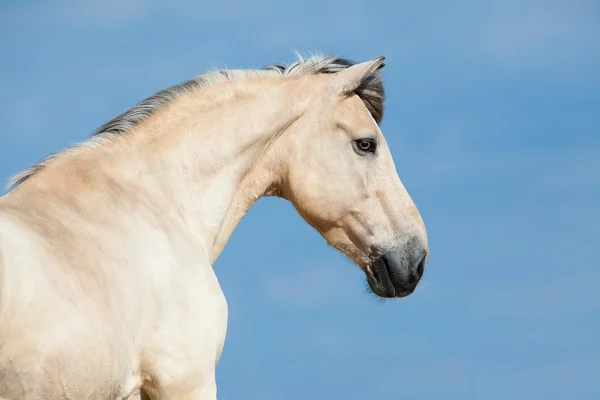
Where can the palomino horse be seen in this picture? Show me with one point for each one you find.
(106, 249)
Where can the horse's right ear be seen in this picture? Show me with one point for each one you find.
(348, 80)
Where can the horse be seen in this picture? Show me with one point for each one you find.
(107, 289)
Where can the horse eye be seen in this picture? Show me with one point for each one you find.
(366, 145)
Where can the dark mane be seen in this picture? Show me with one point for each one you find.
(371, 92)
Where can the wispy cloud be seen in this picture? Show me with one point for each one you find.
(68, 12)
(314, 284)
(573, 172)
(576, 293)
(517, 34)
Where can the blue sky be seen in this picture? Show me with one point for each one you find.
(493, 118)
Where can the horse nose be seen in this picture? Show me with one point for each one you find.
(395, 272)
(406, 265)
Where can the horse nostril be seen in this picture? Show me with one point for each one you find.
(421, 267)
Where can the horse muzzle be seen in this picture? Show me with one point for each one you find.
(395, 273)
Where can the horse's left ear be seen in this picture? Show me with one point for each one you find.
(348, 80)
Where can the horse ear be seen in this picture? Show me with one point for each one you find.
(348, 80)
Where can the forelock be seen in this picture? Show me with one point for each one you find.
(371, 89)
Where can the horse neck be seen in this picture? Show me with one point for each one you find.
(209, 147)
(199, 161)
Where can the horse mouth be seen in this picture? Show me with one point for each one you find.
(379, 278)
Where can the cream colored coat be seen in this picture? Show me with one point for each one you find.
(106, 253)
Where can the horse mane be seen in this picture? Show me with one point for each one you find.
(371, 92)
